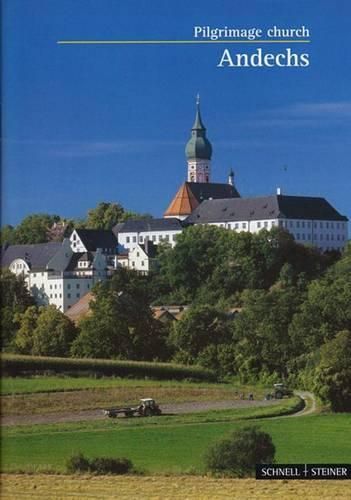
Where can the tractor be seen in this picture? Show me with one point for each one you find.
(280, 390)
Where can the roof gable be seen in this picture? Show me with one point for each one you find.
(37, 256)
(183, 203)
(206, 190)
(265, 207)
(93, 239)
(149, 225)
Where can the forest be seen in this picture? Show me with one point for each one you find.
(261, 308)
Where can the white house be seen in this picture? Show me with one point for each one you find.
(143, 258)
(134, 232)
(54, 273)
(312, 221)
(89, 240)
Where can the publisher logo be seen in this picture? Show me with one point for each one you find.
(303, 471)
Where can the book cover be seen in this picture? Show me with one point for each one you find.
(175, 190)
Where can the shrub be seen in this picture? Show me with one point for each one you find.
(105, 465)
(99, 465)
(238, 454)
(77, 463)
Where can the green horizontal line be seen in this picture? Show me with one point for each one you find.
(169, 42)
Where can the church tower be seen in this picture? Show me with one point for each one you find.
(198, 151)
(198, 186)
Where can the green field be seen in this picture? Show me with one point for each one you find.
(17, 364)
(26, 385)
(167, 444)
(172, 446)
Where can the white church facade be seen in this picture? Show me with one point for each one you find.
(312, 221)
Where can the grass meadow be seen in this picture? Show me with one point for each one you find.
(46, 395)
(175, 445)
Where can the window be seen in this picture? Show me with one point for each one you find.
(321, 224)
(51, 287)
(308, 224)
(258, 224)
(88, 286)
(78, 295)
(133, 263)
(141, 239)
(174, 237)
(167, 237)
(303, 236)
(60, 295)
(273, 223)
(298, 224)
(291, 223)
(236, 225)
(50, 295)
(127, 239)
(243, 225)
(321, 236)
(55, 295)
(34, 275)
(134, 239)
(77, 285)
(154, 237)
(138, 254)
(327, 225)
(265, 224)
(315, 224)
(68, 286)
(142, 263)
(74, 236)
(298, 236)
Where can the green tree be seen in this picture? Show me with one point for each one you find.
(210, 264)
(237, 455)
(47, 332)
(325, 312)
(198, 335)
(8, 235)
(34, 228)
(260, 332)
(333, 374)
(24, 339)
(104, 216)
(122, 316)
(15, 298)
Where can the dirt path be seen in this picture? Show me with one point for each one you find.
(310, 404)
(167, 409)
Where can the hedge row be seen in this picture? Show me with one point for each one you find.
(13, 365)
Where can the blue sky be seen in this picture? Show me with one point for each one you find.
(84, 124)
